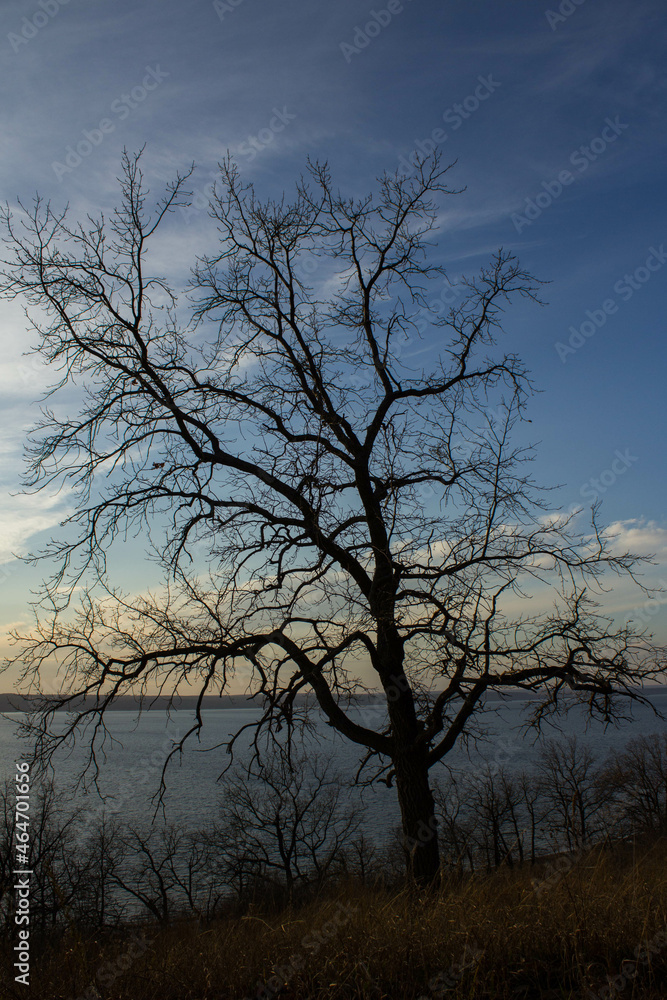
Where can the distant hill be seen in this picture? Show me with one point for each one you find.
(127, 702)
(10, 702)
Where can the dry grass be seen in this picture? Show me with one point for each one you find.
(562, 940)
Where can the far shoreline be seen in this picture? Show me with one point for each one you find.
(11, 702)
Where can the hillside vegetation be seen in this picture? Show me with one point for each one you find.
(563, 928)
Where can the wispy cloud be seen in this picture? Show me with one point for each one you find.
(638, 535)
(22, 517)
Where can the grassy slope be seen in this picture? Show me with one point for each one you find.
(560, 939)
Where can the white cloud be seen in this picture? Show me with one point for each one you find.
(639, 536)
(21, 517)
(23, 376)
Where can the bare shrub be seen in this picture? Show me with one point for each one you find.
(284, 823)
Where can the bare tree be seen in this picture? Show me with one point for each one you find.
(534, 809)
(332, 507)
(569, 779)
(285, 823)
(96, 860)
(480, 818)
(636, 780)
(55, 881)
(456, 820)
(151, 870)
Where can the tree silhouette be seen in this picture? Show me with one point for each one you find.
(284, 823)
(327, 508)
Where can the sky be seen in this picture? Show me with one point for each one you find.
(555, 117)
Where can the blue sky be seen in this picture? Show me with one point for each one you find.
(540, 90)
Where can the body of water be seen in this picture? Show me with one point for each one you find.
(131, 764)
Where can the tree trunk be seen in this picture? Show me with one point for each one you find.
(420, 832)
(420, 829)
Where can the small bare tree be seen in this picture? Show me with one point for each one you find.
(287, 822)
(456, 820)
(96, 860)
(55, 881)
(355, 509)
(159, 869)
(636, 780)
(534, 810)
(569, 778)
